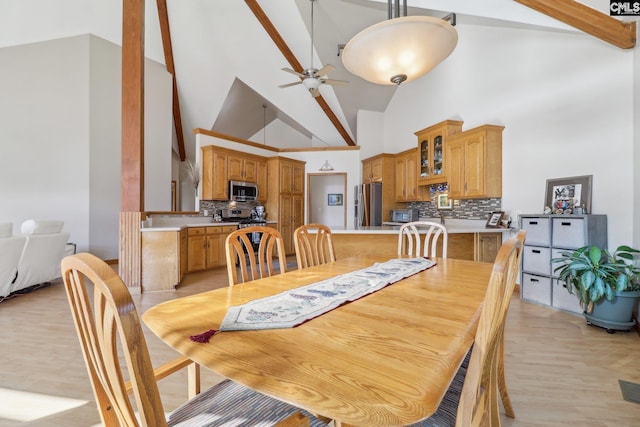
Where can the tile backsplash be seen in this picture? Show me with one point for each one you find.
(461, 209)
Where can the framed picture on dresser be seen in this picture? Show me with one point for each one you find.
(495, 220)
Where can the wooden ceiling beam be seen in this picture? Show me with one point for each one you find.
(295, 64)
(163, 16)
(591, 21)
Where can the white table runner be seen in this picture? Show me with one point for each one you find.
(295, 306)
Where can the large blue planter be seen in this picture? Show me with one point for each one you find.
(614, 315)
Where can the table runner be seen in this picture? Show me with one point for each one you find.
(295, 306)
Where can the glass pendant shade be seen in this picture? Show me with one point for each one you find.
(399, 49)
(326, 166)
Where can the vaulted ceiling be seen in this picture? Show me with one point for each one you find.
(228, 68)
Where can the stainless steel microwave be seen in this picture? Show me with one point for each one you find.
(405, 215)
(243, 191)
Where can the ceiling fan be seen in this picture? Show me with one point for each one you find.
(312, 78)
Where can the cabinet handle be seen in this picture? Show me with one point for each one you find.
(535, 251)
(535, 280)
(566, 223)
(533, 222)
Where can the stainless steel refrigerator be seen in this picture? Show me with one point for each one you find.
(368, 204)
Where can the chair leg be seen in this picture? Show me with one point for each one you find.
(502, 384)
(193, 380)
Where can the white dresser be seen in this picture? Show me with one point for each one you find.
(547, 237)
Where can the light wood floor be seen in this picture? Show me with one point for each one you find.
(559, 370)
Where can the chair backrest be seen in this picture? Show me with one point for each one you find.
(479, 399)
(254, 264)
(420, 238)
(112, 319)
(313, 248)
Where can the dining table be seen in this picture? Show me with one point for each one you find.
(385, 359)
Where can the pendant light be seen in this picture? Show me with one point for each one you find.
(401, 48)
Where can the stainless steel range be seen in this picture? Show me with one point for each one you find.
(245, 218)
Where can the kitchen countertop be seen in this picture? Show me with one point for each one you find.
(190, 222)
(453, 226)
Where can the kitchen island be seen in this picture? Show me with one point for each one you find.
(468, 239)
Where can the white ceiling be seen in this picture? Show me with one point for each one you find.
(227, 67)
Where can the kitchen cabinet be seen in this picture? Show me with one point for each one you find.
(431, 154)
(261, 180)
(547, 237)
(487, 246)
(406, 177)
(286, 179)
(215, 184)
(242, 167)
(379, 168)
(206, 246)
(474, 163)
(164, 259)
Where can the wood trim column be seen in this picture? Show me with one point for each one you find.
(132, 162)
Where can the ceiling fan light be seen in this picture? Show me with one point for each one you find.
(311, 83)
(411, 45)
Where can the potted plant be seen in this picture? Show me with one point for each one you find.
(607, 284)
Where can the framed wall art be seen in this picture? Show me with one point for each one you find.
(566, 195)
(495, 220)
(335, 200)
(443, 201)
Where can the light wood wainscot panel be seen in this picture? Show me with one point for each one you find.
(481, 246)
(161, 260)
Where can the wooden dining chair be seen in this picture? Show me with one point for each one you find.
(472, 397)
(502, 383)
(111, 325)
(420, 238)
(313, 248)
(266, 260)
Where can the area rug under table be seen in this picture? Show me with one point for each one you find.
(295, 306)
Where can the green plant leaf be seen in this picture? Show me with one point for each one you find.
(622, 282)
(587, 279)
(595, 254)
(609, 293)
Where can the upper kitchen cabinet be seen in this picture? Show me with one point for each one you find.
(214, 174)
(406, 176)
(379, 168)
(474, 163)
(432, 143)
(242, 168)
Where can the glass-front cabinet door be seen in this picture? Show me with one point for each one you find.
(432, 151)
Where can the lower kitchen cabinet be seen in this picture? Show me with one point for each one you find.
(487, 246)
(206, 246)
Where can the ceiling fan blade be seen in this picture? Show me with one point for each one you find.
(291, 84)
(314, 92)
(289, 70)
(325, 70)
(335, 82)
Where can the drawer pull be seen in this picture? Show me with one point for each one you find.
(535, 280)
(533, 222)
(566, 223)
(535, 251)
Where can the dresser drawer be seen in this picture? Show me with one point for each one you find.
(536, 260)
(568, 233)
(562, 299)
(538, 230)
(536, 288)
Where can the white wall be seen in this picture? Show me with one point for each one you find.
(566, 102)
(60, 138)
(44, 134)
